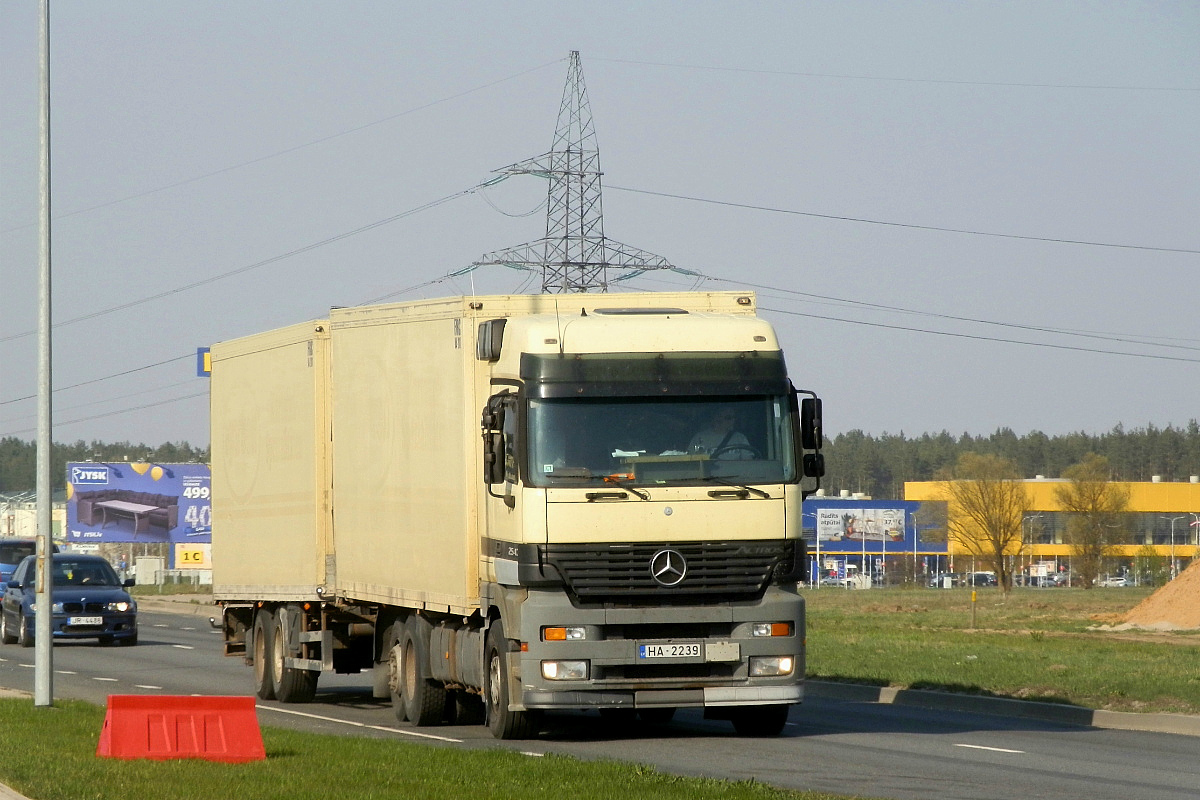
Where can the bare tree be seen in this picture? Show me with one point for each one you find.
(1094, 506)
(986, 504)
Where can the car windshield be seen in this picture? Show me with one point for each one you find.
(84, 573)
(725, 440)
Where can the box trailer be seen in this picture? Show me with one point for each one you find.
(507, 505)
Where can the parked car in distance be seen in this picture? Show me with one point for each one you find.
(1115, 580)
(89, 602)
(12, 551)
(982, 579)
(829, 580)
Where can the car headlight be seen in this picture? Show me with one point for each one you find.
(121, 606)
(57, 608)
(771, 666)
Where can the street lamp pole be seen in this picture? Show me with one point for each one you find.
(1173, 520)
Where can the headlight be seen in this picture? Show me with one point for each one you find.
(771, 666)
(120, 606)
(57, 608)
(565, 670)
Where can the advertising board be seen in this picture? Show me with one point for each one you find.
(138, 502)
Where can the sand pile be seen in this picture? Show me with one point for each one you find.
(1175, 606)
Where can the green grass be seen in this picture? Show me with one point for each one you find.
(49, 754)
(1038, 644)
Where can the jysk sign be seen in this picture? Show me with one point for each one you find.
(139, 502)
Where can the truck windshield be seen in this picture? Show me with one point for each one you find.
(652, 441)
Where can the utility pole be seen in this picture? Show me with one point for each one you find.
(43, 678)
(574, 255)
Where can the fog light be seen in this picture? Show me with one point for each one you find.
(563, 634)
(771, 666)
(565, 670)
(771, 629)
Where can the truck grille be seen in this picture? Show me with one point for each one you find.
(713, 571)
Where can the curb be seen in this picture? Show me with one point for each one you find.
(1180, 724)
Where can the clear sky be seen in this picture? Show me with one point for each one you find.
(959, 216)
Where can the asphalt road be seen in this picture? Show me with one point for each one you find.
(859, 748)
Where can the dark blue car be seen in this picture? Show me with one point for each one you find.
(89, 602)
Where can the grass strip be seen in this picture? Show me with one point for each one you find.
(1034, 644)
(49, 754)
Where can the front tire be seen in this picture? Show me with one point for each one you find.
(760, 721)
(5, 636)
(23, 637)
(503, 723)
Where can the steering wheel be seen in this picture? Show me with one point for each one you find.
(731, 447)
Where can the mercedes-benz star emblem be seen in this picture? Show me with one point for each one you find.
(668, 567)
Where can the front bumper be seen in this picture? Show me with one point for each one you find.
(619, 678)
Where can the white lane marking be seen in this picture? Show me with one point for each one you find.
(992, 749)
(183, 647)
(145, 686)
(162, 626)
(400, 731)
(110, 680)
(187, 629)
(27, 666)
(65, 672)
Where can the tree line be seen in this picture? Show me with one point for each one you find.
(855, 461)
(18, 459)
(878, 466)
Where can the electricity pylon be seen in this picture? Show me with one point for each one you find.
(574, 255)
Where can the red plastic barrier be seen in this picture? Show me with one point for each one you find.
(167, 727)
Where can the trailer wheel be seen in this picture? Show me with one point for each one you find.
(264, 686)
(424, 700)
(291, 685)
(503, 723)
(394, 659)
(760, 721)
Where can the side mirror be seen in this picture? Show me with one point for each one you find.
(811, 436)
(129, 582)
(814, 465)
(493, 458)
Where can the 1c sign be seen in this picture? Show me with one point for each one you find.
(193, 556)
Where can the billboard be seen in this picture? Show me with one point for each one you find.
(860, 526)
(138, 502)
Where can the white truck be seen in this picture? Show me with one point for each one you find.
(504, 505)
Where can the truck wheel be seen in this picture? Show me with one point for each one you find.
(393, 658)
(760, 720)
(424, 700)
(264, 686)
(291, 685)
(503, 723)
(5, 636)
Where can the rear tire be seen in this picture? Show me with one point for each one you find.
(760, 721)
(264, 686)
(393, 659)
(292, 685)
(424, 700)
(503, 723)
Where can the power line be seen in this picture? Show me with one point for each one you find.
(885, 79)
(864, 220)
(296, 148)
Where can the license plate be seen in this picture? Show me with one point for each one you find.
(85, 620)
(676, 650)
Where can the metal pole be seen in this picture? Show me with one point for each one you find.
(43, 684)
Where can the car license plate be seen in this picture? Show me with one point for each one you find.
(673, 650)
(85, 620)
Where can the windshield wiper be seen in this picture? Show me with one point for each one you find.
(746, 489)
(625, 485)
